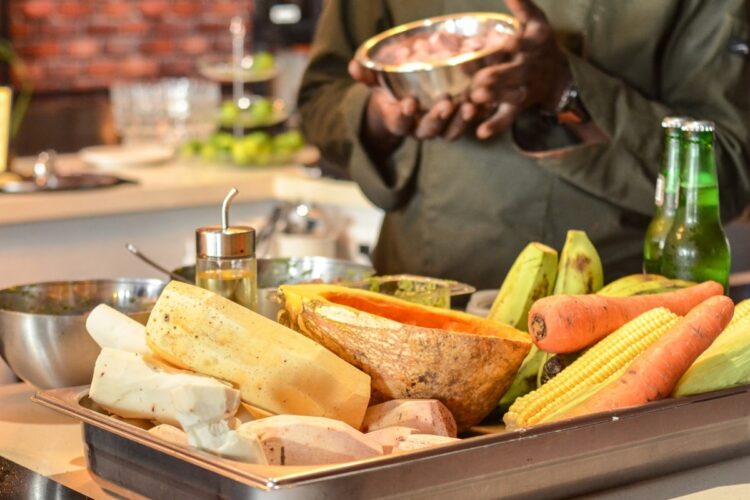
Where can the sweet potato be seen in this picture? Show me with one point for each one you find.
(420, 441)
(428, 416)
(301, 440)
(388, 437)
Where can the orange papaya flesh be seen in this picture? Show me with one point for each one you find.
(407, 314)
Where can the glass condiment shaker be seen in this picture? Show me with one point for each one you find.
(225, 259)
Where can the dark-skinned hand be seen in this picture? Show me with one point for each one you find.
(535, 76)
(388, 120)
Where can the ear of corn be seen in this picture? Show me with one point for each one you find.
(726, 363)
(582, 396)
(606, 358)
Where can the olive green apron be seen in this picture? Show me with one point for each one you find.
(464, 209)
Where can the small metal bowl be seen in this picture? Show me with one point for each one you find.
(43, 334)
(429, 80)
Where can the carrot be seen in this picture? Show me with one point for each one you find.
(569, 323)
(655, 372)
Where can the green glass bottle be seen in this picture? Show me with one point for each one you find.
(665, 199)
(696, 247)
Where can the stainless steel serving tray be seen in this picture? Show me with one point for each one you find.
(555, 460)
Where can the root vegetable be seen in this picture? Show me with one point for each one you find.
(655, 372)
(570, 323)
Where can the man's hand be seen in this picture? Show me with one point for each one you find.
(536, 75)
(387, 120)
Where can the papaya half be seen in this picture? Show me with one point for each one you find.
(410, 350)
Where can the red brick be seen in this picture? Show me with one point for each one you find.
(174, 27)
(139, 67)
(36, 71)
(132, 27)
(227, 8)
(222, 46)
(57, 29)
(103, 67)
(20, 30)
(116, 9)
(123, 45)
(158, 46)
(187, 7)
(153, 8)
(67, 69)
(39, 49)
(195, 45)
(74, 8)
(212, 23)
(83, 47)
(178, 67)
(38, 8)
(101, 26)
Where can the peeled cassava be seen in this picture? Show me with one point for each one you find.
(275, 369)
(411, 351)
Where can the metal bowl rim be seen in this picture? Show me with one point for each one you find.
(362, 53)
(143, 281)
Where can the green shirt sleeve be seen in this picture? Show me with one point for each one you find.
(700, 77)
(332, 105)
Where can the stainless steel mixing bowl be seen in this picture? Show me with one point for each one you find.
(43, 335)
(288, 270)
(428, 80)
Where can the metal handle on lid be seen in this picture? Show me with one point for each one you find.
(225, 209)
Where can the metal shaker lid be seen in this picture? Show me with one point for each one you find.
(225, 241)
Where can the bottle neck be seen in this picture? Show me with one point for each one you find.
(698, 184)
(669, 180)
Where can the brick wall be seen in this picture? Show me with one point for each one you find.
(80, 45)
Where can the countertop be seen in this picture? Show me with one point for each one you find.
(174, 184)
(37, 443)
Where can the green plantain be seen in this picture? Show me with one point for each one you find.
(642, 284)
(531, 277)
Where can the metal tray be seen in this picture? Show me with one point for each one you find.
(556, 460)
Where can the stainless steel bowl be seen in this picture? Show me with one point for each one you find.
(288, 270)
(43, 335)
(428, 80)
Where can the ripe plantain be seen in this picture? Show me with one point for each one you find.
(580, 269)
(531, 277)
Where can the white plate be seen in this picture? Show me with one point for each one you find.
(126, 156)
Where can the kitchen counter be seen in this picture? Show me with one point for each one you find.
(38, 444)
(175, 184)
(81, 234)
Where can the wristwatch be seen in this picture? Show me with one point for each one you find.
(570, 110)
